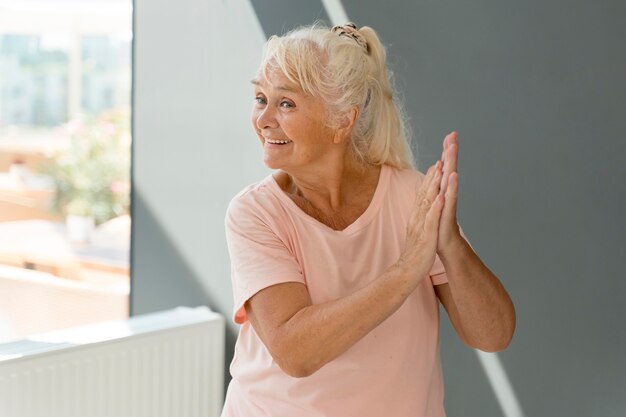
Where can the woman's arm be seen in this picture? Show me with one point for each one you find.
(477, 304)
(302, 337)
(479, 307)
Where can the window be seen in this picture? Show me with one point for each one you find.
(65, 85)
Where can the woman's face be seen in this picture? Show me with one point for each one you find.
(290, 124)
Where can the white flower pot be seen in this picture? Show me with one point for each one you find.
(79, 228)
(18, 172)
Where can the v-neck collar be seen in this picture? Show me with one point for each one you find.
(363, 220)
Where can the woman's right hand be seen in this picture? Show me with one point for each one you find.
(420, 248)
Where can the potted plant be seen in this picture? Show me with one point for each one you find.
(91, 175)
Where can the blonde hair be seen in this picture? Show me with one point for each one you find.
(347, 71)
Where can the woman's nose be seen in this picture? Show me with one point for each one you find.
(266, 119)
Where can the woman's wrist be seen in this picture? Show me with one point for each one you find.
(413, 268)
(452, 248)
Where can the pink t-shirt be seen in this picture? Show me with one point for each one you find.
(395, 369)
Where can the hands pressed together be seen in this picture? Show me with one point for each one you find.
(433, 227)
(433, 230)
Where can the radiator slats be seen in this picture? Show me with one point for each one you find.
(171, 370)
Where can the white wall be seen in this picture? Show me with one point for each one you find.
(194, 148)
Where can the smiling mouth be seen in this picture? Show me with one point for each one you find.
(277, 142)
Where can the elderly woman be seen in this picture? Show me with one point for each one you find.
(341, 256)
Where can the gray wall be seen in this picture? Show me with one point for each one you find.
(536, 91)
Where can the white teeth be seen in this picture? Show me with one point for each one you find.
(282, 142)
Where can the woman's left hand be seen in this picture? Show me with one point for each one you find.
(449, 233)
(487, 326)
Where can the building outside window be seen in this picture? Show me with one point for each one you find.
(65, 89)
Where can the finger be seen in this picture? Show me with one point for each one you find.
(422, 186)
(451, 151)
(429, 175)
(449, 167)
(425, 184)
(429, 196)
(433, 168)
(435, 183)
(451, 197)
(421, 194)
(431, 221)
(432, 190)
(445, 145)
(446, 140)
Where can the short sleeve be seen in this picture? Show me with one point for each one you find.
(437, 273)
(259, 257)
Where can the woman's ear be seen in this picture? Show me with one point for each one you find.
(347, 123)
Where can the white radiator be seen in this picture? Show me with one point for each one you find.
(166, 364)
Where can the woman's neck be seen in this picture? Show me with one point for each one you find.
(336, 195)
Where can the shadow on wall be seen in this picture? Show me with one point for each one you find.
(172, 282)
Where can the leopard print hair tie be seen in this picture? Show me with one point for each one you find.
(350, 30)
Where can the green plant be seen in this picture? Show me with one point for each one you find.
(91, 175)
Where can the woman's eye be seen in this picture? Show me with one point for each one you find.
(286, 104)
(259, 100)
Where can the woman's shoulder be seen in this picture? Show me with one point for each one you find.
(255, 194)
(257, 200)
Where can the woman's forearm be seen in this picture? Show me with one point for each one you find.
(485, 310)
(318, 333)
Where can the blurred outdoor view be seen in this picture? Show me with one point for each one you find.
(65, 89)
